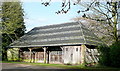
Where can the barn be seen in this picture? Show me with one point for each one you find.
(66, 43)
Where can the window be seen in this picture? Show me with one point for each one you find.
(76, 49)
(66, 49)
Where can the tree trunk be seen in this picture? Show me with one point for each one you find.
(4, 54)
(114, 15)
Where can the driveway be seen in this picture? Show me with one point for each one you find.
(24, 66)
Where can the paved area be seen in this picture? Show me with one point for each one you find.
(24, 66)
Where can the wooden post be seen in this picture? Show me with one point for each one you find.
(19, 57)
(83, 51)
(33, 57)
(30, 54)
(44, 54)
(48, 58)
(38, 56)
(58, 58)
(53, 58)
(62, 60)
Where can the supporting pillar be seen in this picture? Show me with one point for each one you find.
(44, 54)
(83, 53)
(58, 58)
(62, 60)
(38, 56)
(53, 58)
(19, 55)
(33, 57)
(48, 57)
(30, 54)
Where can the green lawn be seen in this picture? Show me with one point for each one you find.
(63, 66)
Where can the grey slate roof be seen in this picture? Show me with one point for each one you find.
(72, 33)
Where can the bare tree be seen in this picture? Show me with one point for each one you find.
(98, 28)
(106, 12)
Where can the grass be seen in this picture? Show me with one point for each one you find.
(62, 65)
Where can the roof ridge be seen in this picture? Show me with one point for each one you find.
(54, 24)
(82, 31)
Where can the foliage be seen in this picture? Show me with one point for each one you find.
(12, 18)
(115, 54)
(13, 54)
(104, 55)
(110, 56)
(12, 21)
(5, 42)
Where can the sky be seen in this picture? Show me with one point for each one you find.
(37, 14)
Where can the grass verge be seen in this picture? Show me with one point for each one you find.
(62, 65)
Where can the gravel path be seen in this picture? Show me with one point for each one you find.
(24, 66)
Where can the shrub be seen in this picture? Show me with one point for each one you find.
(110, 56)
(104, 55)
(115, 54)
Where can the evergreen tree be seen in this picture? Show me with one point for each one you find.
(12, 21)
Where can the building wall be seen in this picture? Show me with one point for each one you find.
(92, 55)
(55, 57)
(68, 55)
(71, 54)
